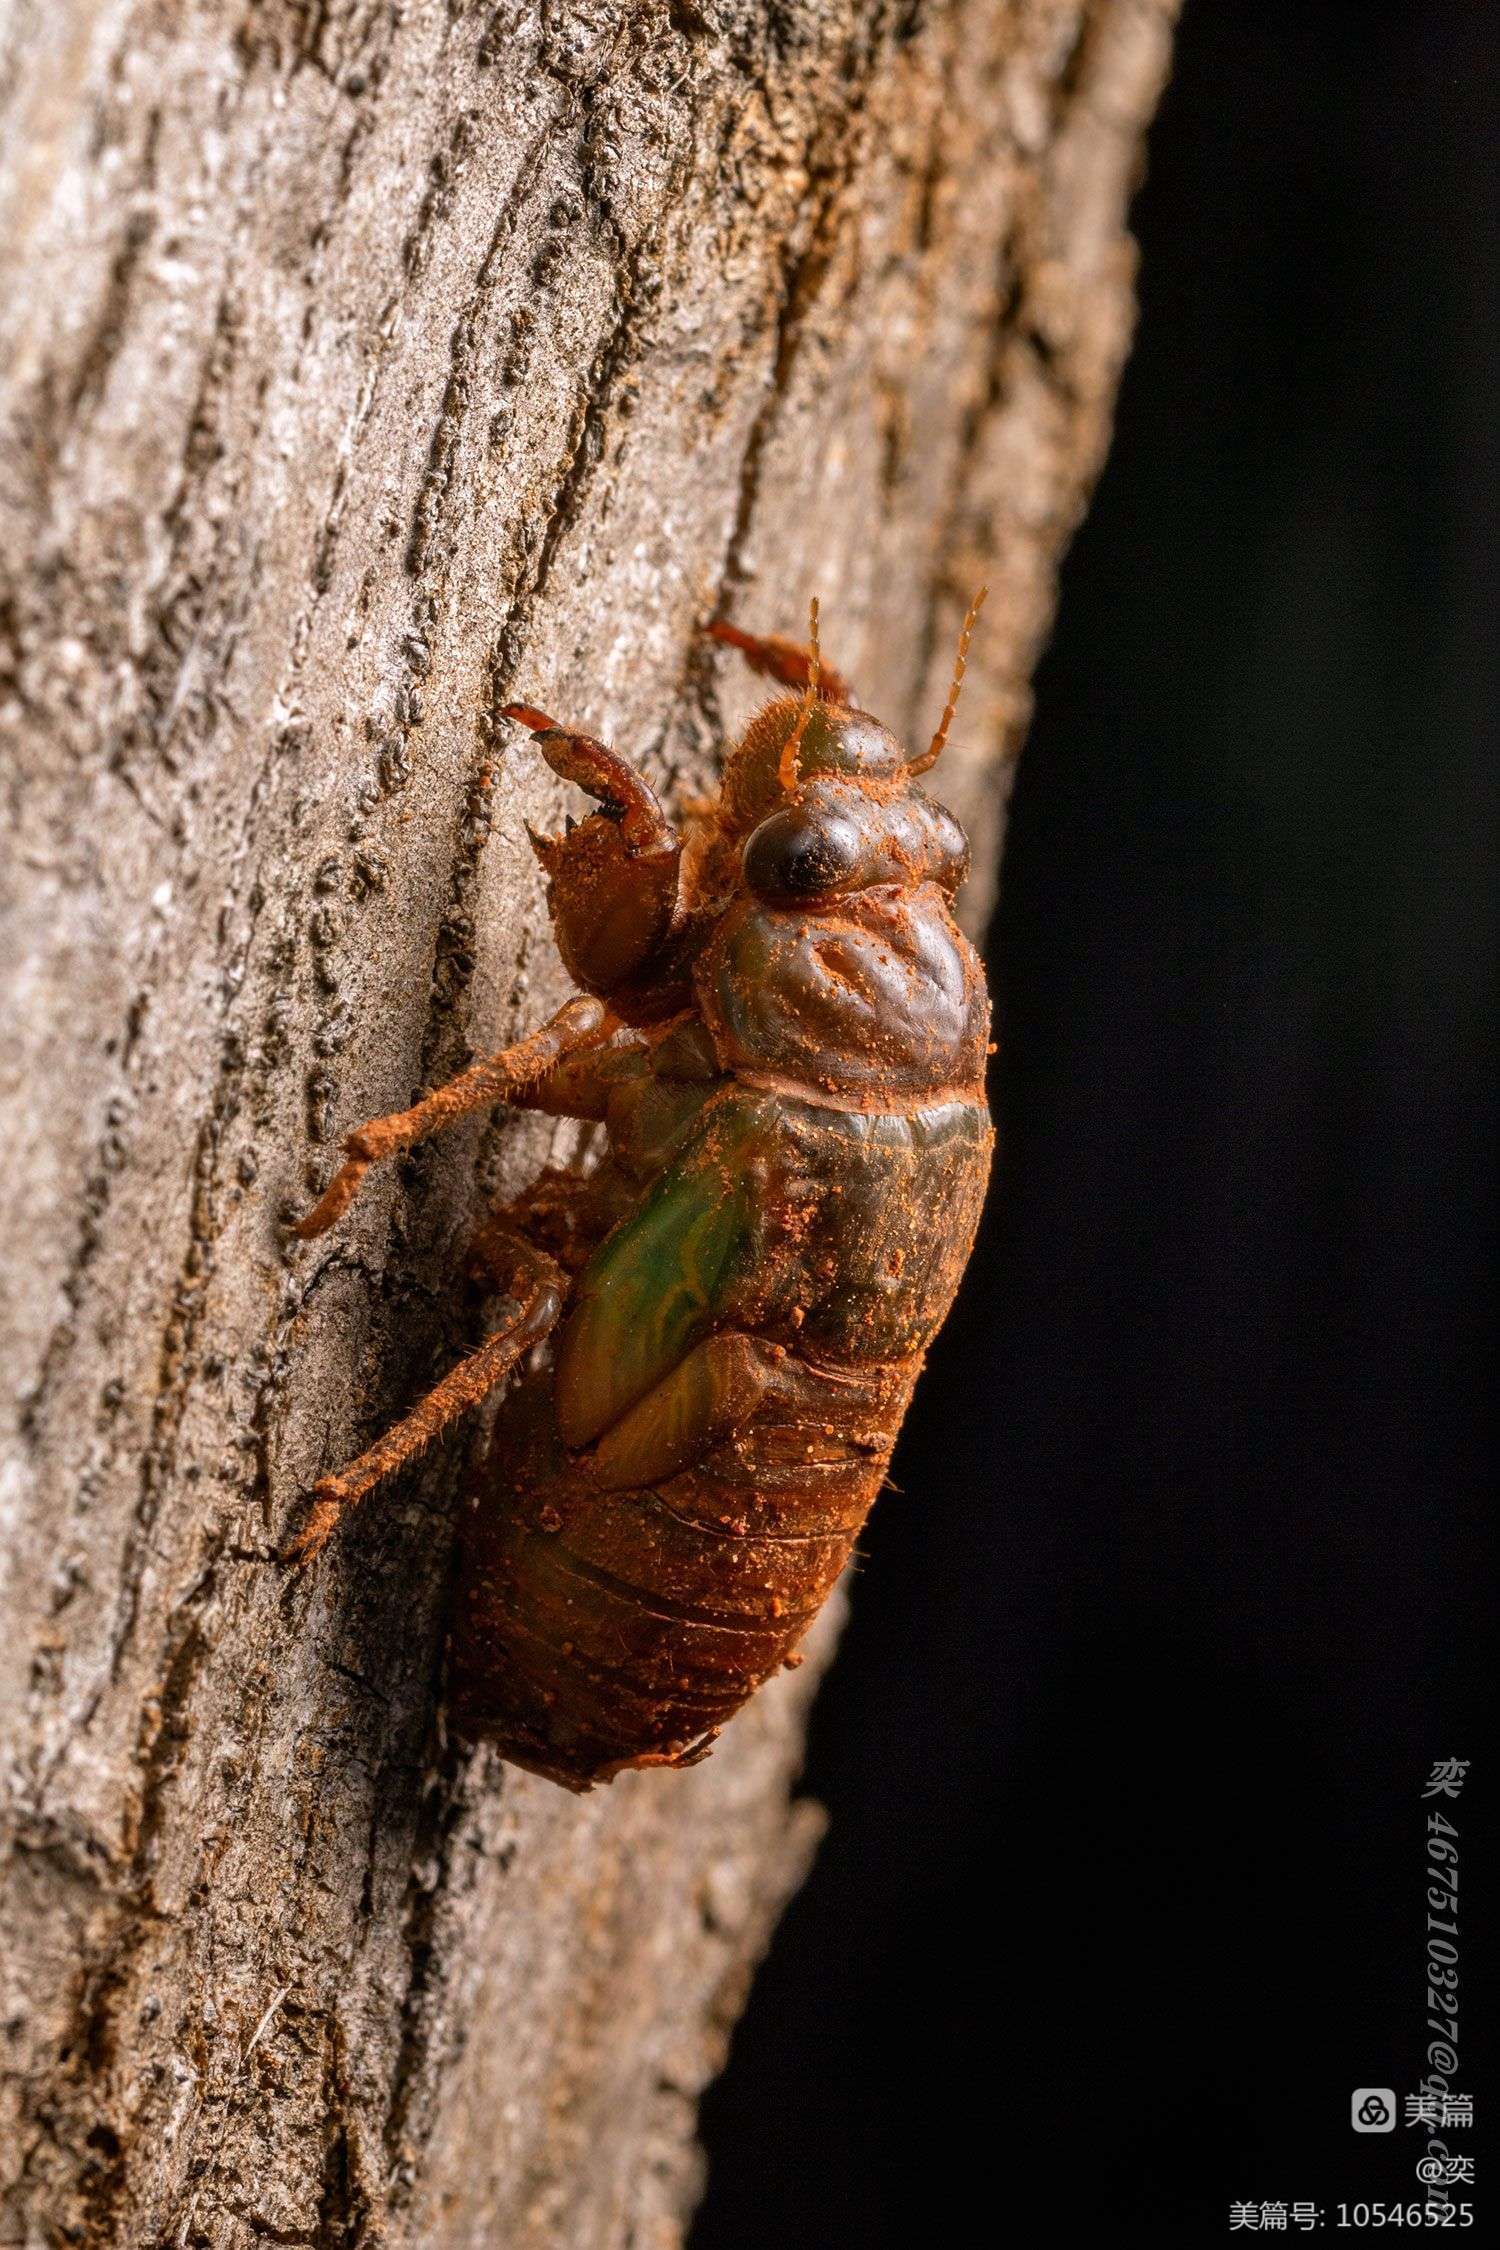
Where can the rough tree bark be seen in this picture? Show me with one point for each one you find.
(367, 362)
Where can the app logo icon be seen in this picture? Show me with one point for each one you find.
(1372, 2109)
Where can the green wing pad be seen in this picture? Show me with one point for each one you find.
(661, 1279)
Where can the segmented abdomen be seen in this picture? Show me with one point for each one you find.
(598, 1629)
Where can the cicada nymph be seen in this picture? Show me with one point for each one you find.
(783, 1033)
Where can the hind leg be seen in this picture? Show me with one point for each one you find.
(538, 1288)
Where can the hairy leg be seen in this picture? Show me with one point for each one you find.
(497, 1078)
(539, 1289)
(562, 1212)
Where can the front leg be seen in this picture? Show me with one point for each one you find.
(613, 880)
(796, 664)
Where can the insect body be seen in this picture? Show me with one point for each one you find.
(784, 1034)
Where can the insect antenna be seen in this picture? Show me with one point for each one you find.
(931, 756)
(787, 769)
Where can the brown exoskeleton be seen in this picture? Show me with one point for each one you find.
(784, 1034)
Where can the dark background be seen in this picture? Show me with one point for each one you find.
(1186, 1589)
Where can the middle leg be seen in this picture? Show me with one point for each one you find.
(497, 1078)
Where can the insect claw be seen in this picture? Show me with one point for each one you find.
(790, 662)
(315, 1534)
(527, 715)
(621, 794)
(336, 1197)
(545, 847)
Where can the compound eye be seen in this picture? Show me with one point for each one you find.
(801, 853)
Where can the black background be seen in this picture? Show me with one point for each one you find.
(1185, 1588)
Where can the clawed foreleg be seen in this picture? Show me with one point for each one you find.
(794, 663)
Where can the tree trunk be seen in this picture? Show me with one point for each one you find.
(366, 365)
